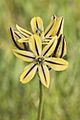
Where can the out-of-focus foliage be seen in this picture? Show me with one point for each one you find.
(62, 99)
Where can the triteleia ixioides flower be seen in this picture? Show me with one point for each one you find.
(42, 49)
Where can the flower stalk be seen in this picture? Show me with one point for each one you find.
(40, 102)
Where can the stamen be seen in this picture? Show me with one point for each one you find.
(39, 60)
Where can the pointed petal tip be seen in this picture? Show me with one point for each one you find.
(17, 25)
(22, 81)
(53, 17)
(11, 31)
(67, 64)
(45, 85)
(10, 28)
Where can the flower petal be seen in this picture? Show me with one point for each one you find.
(24, 32)
(58, 26)
(60, 50)
(49, 29)
(44, 75)
(55, 27)
(28, 73)
(37, 25)
(64, 48)
(57, 64)
(20, 39)
(19, 46)
(23, 40)
(35, 44)
(18, 35)
(24, 55)
(50, 47)
(46, 40)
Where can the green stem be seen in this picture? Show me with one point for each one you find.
(40, 102)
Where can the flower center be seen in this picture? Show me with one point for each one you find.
(39, 60)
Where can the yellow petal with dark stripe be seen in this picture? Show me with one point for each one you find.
(60, 50)
(28, 73)
(49, 29)
(35, 44)
(50, 47)
(57, 64)
(58, 26)
(44, 75)
(55, 27)
(24, 55)
(23, 40)
(19, 41)
(14, 38)
(64, 51)
(24, 32)
(37, 25)
(18, 34)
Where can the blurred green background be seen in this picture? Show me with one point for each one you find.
(62, 99)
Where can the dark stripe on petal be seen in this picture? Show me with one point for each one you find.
(38, 30)
(29, 70)
(37, 25)
(17, 35)
(59, 40)
(23, 35)
(15, 40)
(54, 62)
(43, 72)
(53, 17)
(25, 46)
(36, 47)
(26, 32)
(25, 55)
(59, 27)
(62, 52)
(49, 48)
(49, 29)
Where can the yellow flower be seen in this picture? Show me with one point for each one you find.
(55, 28)
(39, 60)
